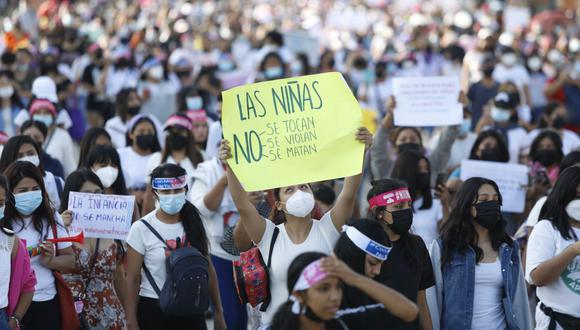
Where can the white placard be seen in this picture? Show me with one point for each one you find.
(516, 18)
(511, 179)
(101, 216)
(302, 42)
(427, 101)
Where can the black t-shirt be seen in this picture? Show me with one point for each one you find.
(398, 274)
(367, 317)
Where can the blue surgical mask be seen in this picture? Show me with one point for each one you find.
(465, 127)
(274, 72)
(225, 65)
(172, 204)
(45, 119)
(194, 103)
(28, 202)
(500, 115)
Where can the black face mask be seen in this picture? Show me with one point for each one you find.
(423, 181)
(547, 157)
(558, 122)
(402, 221)
(487, 72)
(408, 146)
(133, 110)
(177, 142)
(491, 155)
(146, 142)
(488, 214)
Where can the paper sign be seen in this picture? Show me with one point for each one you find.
(427, 101)
(302, 42)
(516, 18)
(292, 131)
(511, 179)
(101, 216)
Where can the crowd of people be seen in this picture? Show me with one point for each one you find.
(124, 98)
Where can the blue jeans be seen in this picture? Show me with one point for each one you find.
(3, 320)
(235, 313)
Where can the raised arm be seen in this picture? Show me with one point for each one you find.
(254, 224)
(381, 162)
(344, 205)
(393, 301)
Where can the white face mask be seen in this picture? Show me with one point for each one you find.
(535, 63)
(156, 72)
(500, 115)
(108, 175)
(509, 59)
(6, 92)
(300, 204)
(35, 160)
(573, 209)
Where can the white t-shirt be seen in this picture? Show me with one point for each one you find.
(45, 289)
(460, 149)
(534, 215)
(133, 170)
(516, 74)
(570, 140)
(59, 145)
(142, 240)
(322, 237)
(425, 221)
(117, 129)
(516, 140)
(488, 310)
(6, 244)
(563, 294)
(52, 189)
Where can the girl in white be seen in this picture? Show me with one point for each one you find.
(31, 216)
(553, 256)
(298, 232)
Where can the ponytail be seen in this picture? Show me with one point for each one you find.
(193, 227)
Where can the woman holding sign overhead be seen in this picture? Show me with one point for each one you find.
(31, 216)
(97, 281)
(298, 232)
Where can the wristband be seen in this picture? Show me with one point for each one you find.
(15, 318)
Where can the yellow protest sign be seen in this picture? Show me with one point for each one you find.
(292, 131)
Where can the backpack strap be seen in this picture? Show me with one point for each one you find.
(145, 269)
(272, 242)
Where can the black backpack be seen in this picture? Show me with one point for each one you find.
(186, 288)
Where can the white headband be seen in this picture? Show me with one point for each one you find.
(312, 274)
(366, 244)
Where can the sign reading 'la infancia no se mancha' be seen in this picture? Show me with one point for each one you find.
(292, 131)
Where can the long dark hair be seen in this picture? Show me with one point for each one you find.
(34, 123)
(4, 185)
(400, 130)
(571, 159)
(189, 215)
(107, 154)
(11, 148)
(156, 146)
(15, 173)
(501, 144)
(409, 243)
(284, 319)
(354, 257)
(121, 102)
(556, 140)
(458, 232)
(406, 168)
(190, 150)
(89, 141)
(563, 193)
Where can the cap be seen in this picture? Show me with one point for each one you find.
(503, 100)
(44, 88)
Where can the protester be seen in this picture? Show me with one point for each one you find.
(200, 129)
(105, 162)
(482, 91)
(299, 233)
(175, 221)
(553, 255)
(23, 148)
(98, 280)
(554, 117)
(142, 142)
(362, 247)
(179, 149)
(408, 269)
(93, 137)
(414, 169)
(128, 105)
(157, 91)
(10, 102)
(545, 156)
(315, 287)
(34, 220)
(475, 245)
(17, 279)
(38, 132)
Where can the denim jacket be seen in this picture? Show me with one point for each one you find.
(451, 299)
